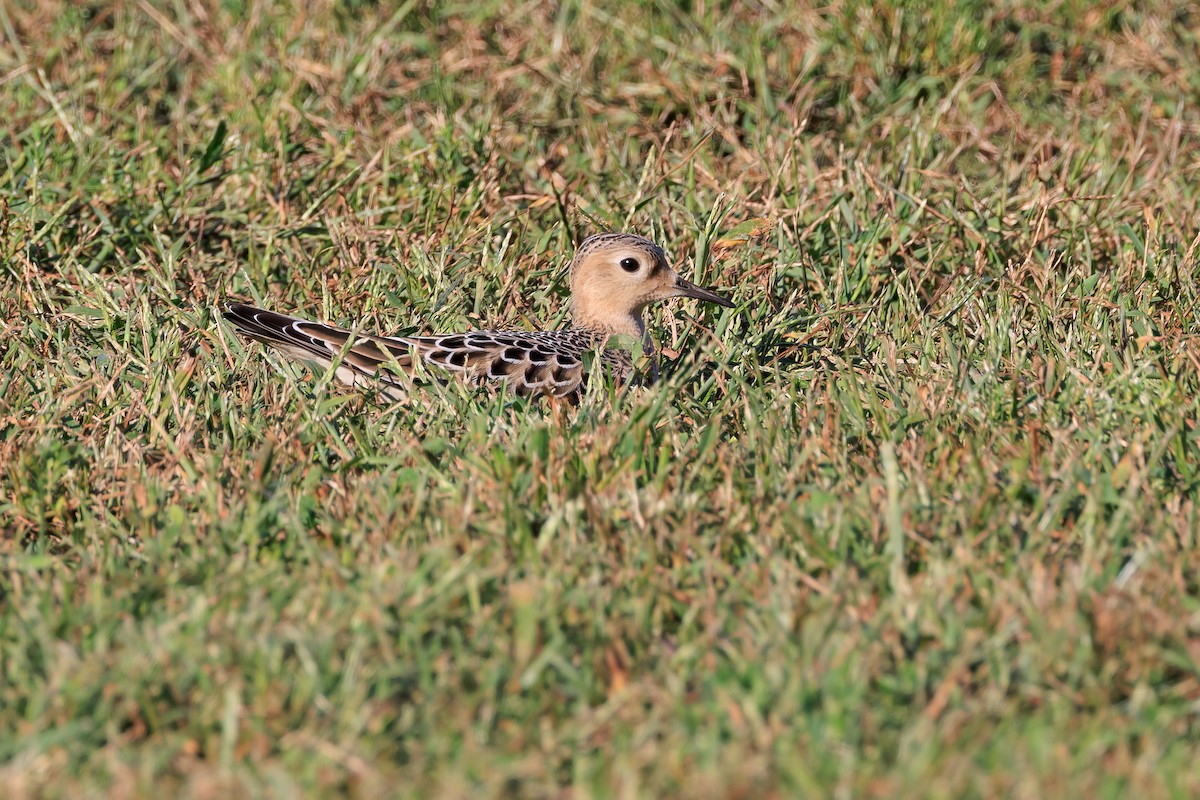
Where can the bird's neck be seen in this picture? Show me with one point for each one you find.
(631, 325)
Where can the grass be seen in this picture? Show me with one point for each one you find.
(919, 518)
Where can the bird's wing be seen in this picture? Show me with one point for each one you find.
(532, 363)
(368, 359)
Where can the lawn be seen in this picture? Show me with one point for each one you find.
(918, 518)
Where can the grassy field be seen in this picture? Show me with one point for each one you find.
(917, 519)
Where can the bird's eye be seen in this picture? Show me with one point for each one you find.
(630, 264)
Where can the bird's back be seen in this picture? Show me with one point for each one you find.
(531, 362)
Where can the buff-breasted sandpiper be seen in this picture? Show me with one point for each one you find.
(614, 276)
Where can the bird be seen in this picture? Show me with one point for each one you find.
(613, 278)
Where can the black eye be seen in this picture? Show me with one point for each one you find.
(630, 264)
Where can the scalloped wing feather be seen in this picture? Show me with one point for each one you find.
(532, 362)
